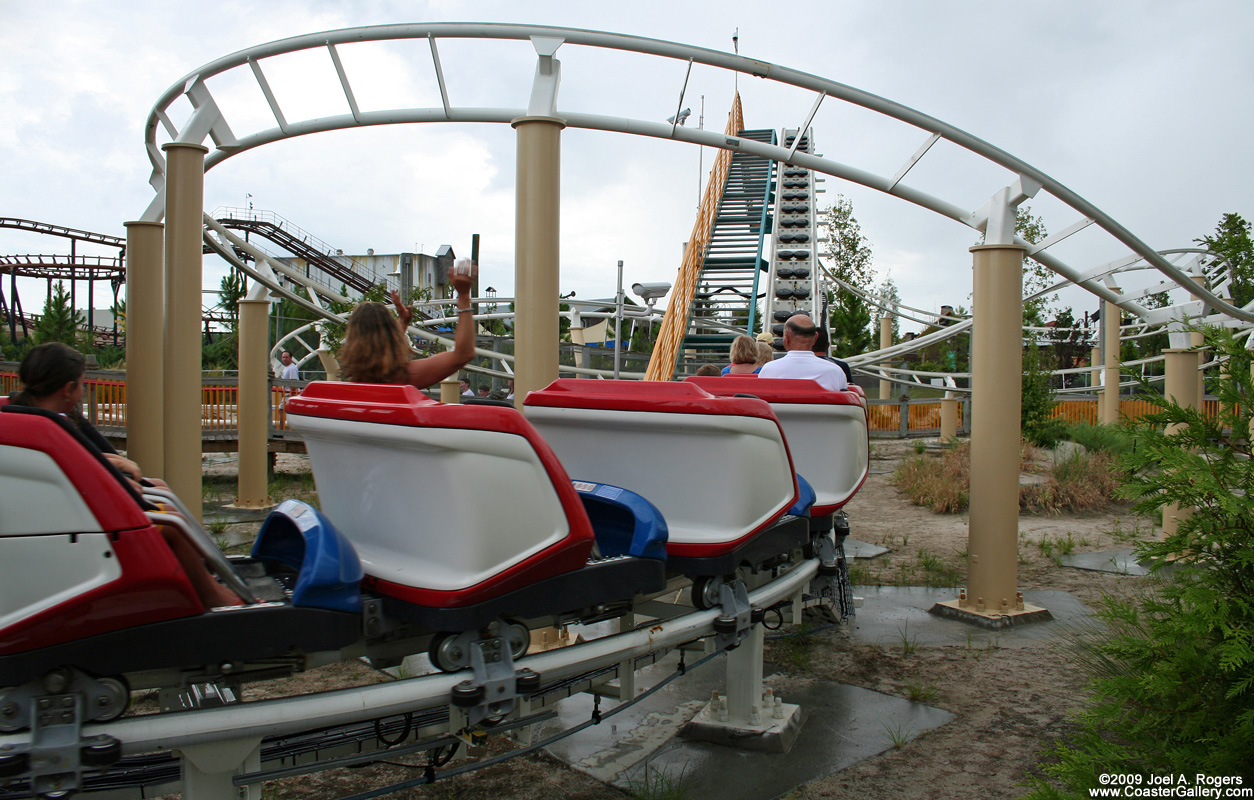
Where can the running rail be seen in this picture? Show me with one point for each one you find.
(291, 715)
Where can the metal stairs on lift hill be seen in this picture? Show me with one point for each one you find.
(733, 263)
(334, 270)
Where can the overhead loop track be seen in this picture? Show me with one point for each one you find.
(208, 120)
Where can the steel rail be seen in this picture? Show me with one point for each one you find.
(286, 716)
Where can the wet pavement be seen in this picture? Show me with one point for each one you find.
(641, 748)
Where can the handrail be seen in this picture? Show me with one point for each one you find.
(675, 323)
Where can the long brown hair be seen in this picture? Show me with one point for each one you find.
(375, 349)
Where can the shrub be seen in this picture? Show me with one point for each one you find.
(1040, 426)
(1173, 679)
(1098, 438)
(1081, 482)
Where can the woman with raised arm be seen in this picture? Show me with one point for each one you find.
(376, 346)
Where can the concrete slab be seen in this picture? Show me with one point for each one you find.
(855, 548)
(897, 616)
(1120, 562)
(638, 748)
(843, 725)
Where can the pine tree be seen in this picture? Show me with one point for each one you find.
(59, 322)
(1232, 243)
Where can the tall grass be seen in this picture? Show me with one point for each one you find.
(939, 485)
(1081, 482)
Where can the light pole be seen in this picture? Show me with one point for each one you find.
(618, 321)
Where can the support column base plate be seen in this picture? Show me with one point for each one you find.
(989, 619)
(770, 735)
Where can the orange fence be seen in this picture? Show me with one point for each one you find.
(105, 400)
(889, 418)
(1086, 410)
(922, 417)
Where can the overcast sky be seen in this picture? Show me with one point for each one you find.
(1140, 107)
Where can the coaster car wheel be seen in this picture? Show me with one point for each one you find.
(519, 637)
(447, 653)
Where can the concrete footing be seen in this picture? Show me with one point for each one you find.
(992, 620)
(774, 733)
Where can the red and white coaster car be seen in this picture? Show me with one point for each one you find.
(90, 582)
(717, 467)
(461, 514)
(826, 432)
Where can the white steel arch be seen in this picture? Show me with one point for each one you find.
(207, 120)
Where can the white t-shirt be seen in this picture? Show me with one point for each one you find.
(805, 364)
(291, 372)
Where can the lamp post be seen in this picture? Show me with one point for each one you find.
(618, 321)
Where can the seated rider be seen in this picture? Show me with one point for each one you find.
(52, 379)
(744, 356)
(376, 346)
(799, 360)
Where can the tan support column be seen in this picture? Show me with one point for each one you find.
(330, 364)
(1109, 405)
(1095, 377)
(1180, 385)
(451, 390)
(184, 197)
(949, 419)
(991, 597)
(536, 253)
(997, 362)
(254, 404)
(145, 318)
(886, 341)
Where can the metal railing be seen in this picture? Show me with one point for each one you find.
(675, 324)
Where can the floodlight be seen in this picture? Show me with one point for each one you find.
(650, 292)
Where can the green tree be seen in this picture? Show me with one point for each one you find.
(1172, 672)
(1232, 243)
(60, 322)
(848, 257)
(1070, 345)
(118, 309)
(230, 291)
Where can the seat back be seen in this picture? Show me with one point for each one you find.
(446, 505)
(716, 467)
(826, 431)
(78, 557)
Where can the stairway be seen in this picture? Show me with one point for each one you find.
(733, 265)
